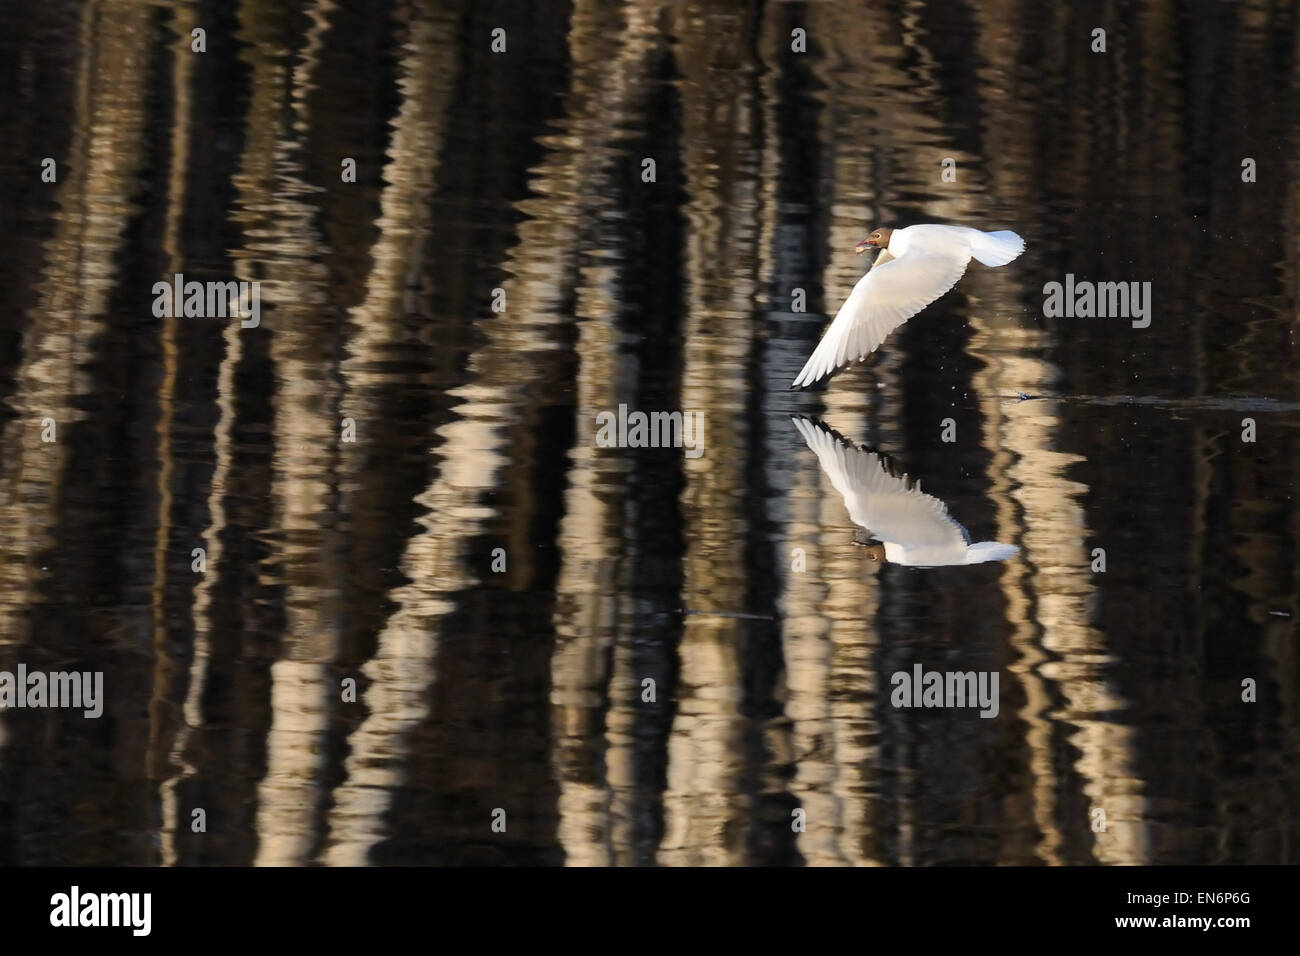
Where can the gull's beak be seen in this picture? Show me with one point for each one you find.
(863, 246)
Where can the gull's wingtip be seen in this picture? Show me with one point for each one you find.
(806, 379)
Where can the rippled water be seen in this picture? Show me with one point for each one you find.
(684, 660)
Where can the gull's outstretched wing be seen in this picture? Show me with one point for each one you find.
(886, 297)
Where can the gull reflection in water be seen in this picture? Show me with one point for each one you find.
(904, 525)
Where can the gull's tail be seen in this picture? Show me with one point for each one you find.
(989, 551)
(995, 248)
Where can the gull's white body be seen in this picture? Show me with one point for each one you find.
(920, 264)
(915, 528)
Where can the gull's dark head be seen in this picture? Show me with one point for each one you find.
(874, 549)
(877, 240)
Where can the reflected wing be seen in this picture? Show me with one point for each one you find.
(890, 507)
(886, 297)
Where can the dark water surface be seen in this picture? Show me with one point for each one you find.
(730, 580)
